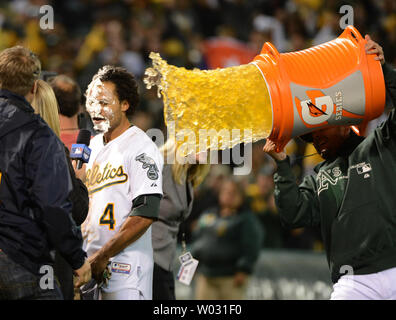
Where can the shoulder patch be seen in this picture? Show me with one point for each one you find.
(152, 172)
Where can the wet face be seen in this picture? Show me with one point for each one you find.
(328, 141)
(103, 106)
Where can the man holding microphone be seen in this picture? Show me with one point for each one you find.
(35, 210)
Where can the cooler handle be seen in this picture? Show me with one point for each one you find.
(353, 34)
(269, 48)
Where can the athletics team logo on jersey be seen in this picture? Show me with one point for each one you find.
(152, 172)
(99, 178)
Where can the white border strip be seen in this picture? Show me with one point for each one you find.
(269, 93)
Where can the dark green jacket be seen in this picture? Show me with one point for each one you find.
(226, 245)
(351, 198)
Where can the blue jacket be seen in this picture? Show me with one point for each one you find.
(35, 210)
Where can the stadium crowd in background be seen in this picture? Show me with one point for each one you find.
(201, 34)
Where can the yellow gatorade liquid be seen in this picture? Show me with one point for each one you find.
(212, 109)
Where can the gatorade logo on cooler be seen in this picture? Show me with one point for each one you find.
(317, 112)
(344, 103)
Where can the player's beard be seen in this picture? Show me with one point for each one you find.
(103, 126)
(108, 123)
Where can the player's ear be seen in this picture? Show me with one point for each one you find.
(124, 105)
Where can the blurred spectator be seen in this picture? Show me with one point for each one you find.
(274, 232)
(226, 51)
(330, 28)
(89, 33)
(227, 242)
(274, 28)
(260, 191)
(206, 196)
(143, 120)
(260, 199)
(258, 161)
(68, 96)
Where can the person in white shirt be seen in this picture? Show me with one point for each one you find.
(124, 180)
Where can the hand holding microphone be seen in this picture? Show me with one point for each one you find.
(80, 152)
(80, 173)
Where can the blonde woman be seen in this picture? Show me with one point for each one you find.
(179, 180)
(44, 103)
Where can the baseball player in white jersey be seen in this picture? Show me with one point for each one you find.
(124, 180)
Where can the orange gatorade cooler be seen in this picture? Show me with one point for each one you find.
(335, 83)
(276, 96)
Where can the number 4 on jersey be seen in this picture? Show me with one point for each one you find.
(108, 216)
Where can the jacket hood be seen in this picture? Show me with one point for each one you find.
(15, 107)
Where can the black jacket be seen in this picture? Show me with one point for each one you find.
(35, 210)
(78, 196)
(352, 198)
(80, 200)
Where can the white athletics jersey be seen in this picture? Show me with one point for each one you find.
(118, 172)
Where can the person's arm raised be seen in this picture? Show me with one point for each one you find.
(297, 205)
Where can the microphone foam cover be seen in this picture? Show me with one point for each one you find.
(84, 137)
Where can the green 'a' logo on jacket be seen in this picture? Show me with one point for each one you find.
(326, 177)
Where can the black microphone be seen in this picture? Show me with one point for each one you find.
(79, 150)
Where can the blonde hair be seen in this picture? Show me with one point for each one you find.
(44, 103)
(182, 172)
(19, 68)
